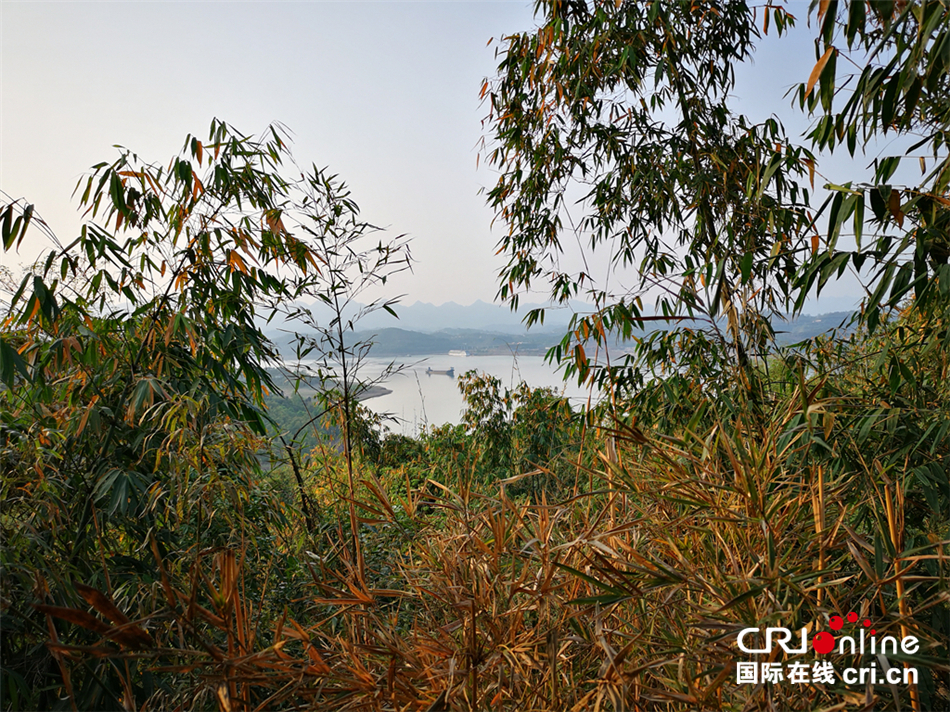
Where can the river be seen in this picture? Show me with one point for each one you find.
(418, 398)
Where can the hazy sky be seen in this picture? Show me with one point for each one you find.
(384, 94)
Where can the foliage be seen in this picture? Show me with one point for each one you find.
(628, 596)
(625, 109)
(159, 334)
(134, 371)
(592, 105)
(532, 557)
(350, 269)
(514, 432)
(901, 90)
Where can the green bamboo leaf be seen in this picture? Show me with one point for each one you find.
(742, 597)
(590, 579)
(605, 600)
(11, 364)
(8, 235)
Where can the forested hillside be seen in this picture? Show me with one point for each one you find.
(390, 341)
(177, 536)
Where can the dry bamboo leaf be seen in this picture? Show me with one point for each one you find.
(77, 617)
(816, 72)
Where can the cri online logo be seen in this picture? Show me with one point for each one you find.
(823, 642)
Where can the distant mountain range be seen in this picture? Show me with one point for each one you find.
(429, 318)
(490, 329)
(425, 318)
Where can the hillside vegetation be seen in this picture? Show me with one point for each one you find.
(176, 537)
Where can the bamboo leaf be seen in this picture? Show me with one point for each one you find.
(817, 70)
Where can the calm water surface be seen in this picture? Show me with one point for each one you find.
(418, 398)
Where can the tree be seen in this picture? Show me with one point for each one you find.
(160, 332)
(625, 107)
(514, 431)
(902, 90)
(352, 266)
(135, 366)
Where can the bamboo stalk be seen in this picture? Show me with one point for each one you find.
(819, 505)
(904, 609)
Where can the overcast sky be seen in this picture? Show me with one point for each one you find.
(384, 94)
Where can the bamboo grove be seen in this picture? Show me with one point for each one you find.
(177, 535)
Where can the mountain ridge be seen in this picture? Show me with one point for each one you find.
(392, 341)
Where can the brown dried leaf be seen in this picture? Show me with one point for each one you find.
(77, 617)
(816, 72)
(101, 603)
(894, 205)
(128, 633)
